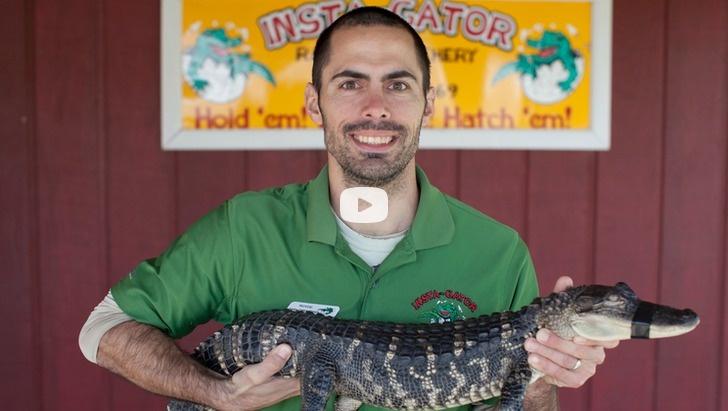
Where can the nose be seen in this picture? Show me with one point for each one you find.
(375, 108)
(689, 315)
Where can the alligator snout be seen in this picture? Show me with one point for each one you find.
(669, 322)
(688, 313)
(690, 317)
(676, 317)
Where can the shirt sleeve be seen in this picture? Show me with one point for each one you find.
(525, 291)
(189, 284)
(527, 284)
(104, 317)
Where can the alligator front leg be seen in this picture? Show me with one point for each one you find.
(514, 388)
(317, 379)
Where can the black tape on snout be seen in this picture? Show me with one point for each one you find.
(643, 319)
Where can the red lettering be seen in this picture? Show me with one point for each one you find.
(265, 29)
(476, 22)
(501, 32)
(241, 120)
(206, 120)
(546, 121)
(309, 19)
(283, 24)
(452, 12)
(355, 4)
(428, 16)
(331, 11)
(279, 28)
(451, 117)
(398, 6)
(219, 121)
(500, 120)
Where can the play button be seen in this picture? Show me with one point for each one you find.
(363, 205)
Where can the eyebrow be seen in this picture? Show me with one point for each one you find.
(388, 76)
(399, 74)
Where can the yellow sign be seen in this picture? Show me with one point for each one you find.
(495, 64)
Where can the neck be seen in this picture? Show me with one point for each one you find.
(554, 312)
(402, 192)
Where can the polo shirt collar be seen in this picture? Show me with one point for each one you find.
(433, 225)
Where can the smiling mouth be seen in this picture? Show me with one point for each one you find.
(547, 52)
(372, 140)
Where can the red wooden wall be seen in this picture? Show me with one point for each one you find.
(85, 193)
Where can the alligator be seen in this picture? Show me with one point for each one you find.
(552, 46)
(214, 44)
(430, 366)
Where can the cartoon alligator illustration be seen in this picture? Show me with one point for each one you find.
(444, 311)
(552, 46)
(326, 310)
(216, 45)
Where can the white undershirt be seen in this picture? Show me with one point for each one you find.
(104, 317)
(372, 249)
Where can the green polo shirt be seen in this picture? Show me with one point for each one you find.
(263, 250)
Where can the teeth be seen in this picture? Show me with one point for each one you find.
(374, 140)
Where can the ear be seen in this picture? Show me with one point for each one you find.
(312, 104)
(429, 106)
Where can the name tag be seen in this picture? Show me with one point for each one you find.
(327, 310)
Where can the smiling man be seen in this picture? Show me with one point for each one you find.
(370, 95)
(432, 259)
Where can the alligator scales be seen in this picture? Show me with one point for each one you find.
(430, 366)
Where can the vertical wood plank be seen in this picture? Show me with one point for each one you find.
(694, 215)
(266, 169)
(723, 388)
(629, 195)
(441, 167)
(205, 179)
(496, 183)
(561, 227)
(141, 192)
(722, 403)
(17, 225)
(71, 184)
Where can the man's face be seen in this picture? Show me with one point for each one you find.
(371, 102)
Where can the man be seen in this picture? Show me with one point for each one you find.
(265, 250)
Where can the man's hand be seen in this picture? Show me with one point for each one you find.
(255, 387)
(565, 363)
(150, 359)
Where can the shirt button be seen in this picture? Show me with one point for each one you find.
(374, 284)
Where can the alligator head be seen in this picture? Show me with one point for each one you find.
(602, 313)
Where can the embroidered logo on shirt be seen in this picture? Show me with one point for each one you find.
(327, 310)
(447, 307)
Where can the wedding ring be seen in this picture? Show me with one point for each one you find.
(577, 365)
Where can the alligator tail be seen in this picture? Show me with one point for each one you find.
(505, 71)
(262, 71)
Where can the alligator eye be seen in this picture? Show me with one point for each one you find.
(584, 304)
(613, 300)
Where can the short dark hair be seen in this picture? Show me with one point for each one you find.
(367, 16)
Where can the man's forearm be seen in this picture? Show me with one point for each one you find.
(150, 359)
(541, 396)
